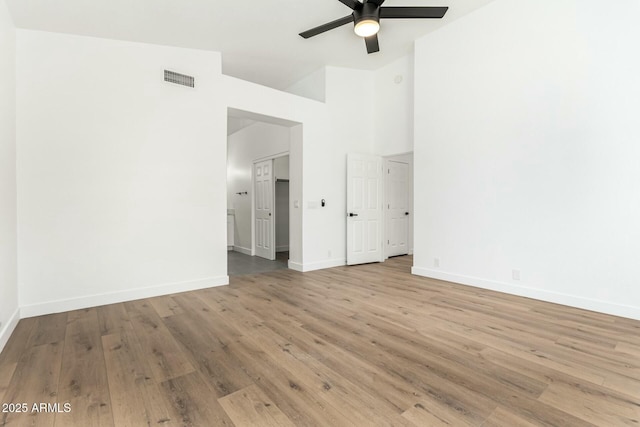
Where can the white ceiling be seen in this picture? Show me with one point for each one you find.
(258, 38)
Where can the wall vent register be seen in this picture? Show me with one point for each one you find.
(179, 79)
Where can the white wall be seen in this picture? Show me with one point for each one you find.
(318, 165)
(313, 86)
(367, 113)
(527, 152)
(257, 141)
(245, 96)
(9, 314)
(121, 176)
(393, 118)
(393, 107)
(234, 124)
(281, 166)
(349, 129)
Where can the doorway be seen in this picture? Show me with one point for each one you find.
(259, 188)
(271, 208)
(282, 206)
(379, 207)
(398, 205)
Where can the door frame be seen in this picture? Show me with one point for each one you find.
(400, 158)
(273, 200)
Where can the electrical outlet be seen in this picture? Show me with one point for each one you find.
(436, 262)
(329, 253)
(515, 274)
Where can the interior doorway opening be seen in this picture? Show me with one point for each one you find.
(379, 207)
(260, 183)
(398, 205)
(282, 203)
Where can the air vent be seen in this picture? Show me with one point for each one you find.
(179, 79)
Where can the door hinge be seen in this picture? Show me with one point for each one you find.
(387, 242)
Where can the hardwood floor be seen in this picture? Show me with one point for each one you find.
(349, 346)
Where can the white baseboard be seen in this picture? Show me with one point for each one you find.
(120, 296)
(7, 328)
(336, 262)
(242, 250)
(627, 311)
(295, 266)
(283, 248)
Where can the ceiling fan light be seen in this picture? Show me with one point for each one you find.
(367, 27)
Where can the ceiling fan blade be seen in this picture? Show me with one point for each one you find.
(326, 27)
(372, 43)
(352, 4)
(412, 12)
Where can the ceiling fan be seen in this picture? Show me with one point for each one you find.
(366, 18)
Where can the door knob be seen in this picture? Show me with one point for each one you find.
(352, 214)
(406, 213)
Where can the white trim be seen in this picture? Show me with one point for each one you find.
(406, 153)
(8, 328)
(628, 311)
(272, 156)
(329, 263)
(242, 250)
(120, 296)
(296, 266)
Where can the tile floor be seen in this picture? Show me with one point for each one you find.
(239, 264)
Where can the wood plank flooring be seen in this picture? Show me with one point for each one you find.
(351, 346)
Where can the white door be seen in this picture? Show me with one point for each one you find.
(397, 207)
(263, 209)
(364, 209)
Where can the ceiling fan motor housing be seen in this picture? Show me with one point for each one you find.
(368, 11)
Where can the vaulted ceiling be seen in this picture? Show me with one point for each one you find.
(258, 38)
